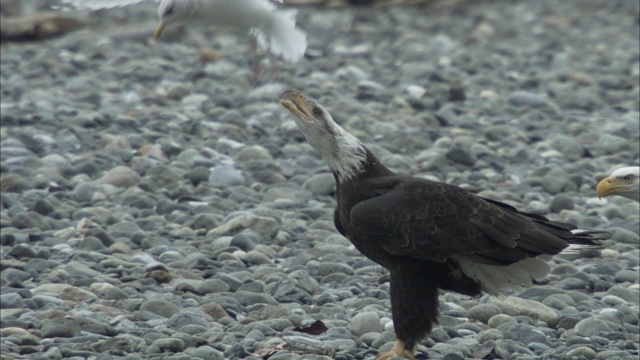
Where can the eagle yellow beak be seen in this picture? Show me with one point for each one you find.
(610, 186)
(295, 102)
(159, 29)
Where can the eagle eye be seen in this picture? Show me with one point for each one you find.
(316, 112)
(628, 178)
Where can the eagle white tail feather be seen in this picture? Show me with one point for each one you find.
(580, 249)
(281, 37)
(493, 279)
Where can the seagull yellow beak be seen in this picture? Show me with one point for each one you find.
(295, 102)
(610, 186)
(159, 29)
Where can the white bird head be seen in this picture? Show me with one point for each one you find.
(171, 11)
(343, 152)
(623, 182)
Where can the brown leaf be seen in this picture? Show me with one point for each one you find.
(317, 328)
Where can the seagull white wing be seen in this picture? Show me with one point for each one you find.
(281, 37)
(107, 4)
(274, 28)
(99, 4)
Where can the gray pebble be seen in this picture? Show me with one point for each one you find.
(199, 287)
(91, 243)
(483, 312)
(500, 319)
(22, 251)
(321, 184)
(522, 98)
(121, 343)
(627, 276)
(612, 300)
(160, 307)
(121, 176)
(11, 301)
(630, 295)
(523, 333)
(205, 352)
(582, 352)
(327, 268)
(517, 306)
(188, 317)
(365, 322)
(591, 326)
(31, 219)
(169, 345)
(226, 175)
(66, 327)
(561, 202)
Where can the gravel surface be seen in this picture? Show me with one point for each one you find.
(158, 205)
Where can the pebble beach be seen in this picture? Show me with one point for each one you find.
(158, 203)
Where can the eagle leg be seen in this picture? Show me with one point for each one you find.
(414, 307)
(398, 350)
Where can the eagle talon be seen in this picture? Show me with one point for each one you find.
(398, 350)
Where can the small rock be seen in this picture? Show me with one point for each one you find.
(630, 295)
(517, 306)
(121, 176)
(11, 301)
(66, 327)
(205, 352)
(523, 333)
(170, 345)
(214, 310)
(521, 98)
(627, 276)
(592, 326)
(188, 317)
(581, 352)
(178, 91)
(561, 202)
(500, 319)
(160, 307)
(76, 294)
(483, 312)
(226, 175)
(265, 226)
(365, 322)
(321, 184)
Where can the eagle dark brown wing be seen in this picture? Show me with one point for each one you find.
(434, 221)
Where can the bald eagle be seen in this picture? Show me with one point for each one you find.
(623, 182)
(429, 235)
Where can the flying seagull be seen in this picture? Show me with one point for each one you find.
(273, 28)
(429, 235)
(623, 182)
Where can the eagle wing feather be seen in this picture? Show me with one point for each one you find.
(435, 221)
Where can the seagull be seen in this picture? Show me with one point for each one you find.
(274, 29)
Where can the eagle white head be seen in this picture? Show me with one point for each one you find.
(623, 182)
(343, 152)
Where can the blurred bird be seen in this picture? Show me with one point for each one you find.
(274, 29)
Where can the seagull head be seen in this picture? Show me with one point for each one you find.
(171, 11)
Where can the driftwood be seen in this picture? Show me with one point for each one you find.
(39, 27)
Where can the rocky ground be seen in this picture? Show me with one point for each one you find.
(158, 205)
